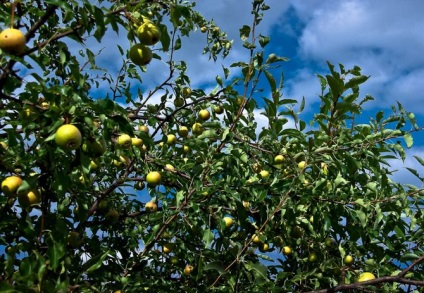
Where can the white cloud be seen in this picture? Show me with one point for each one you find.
(386, 41)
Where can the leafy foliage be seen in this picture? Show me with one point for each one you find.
(333, 194)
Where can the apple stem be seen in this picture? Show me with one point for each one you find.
(13, 14)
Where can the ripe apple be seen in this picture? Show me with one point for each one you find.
(148, 33)
(112, 216)
(124, 141)
(10, 185)
(151, 207)
(366, 276)
(179, 102)
(218, 110)
(74, 239)
(204, 114)
(168, 247)
(228, 221)
(186, 92)
(140, 54)
(183, 131)
(348, 260)
(287, 250)
(136, 142)
(144, 128)
(30, 198)
(301, 165)
(203, 29)
(171, 139)
(153, 178)
(264, 174)
(264, 247)
(188, 269)
(169, 167)
(68, 137)
(279, 159)
(197, 128)
(256, 239)
(12, 41)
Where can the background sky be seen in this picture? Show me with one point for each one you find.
(385, 38)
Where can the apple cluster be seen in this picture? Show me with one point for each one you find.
(148, 34)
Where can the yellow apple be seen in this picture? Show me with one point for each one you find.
(168, 247)
(279, 159)
(153, 178)
(171, 139)
(204, 114)
(264, 174)
(203, 29)
(186, 149)
(183, 131)
(140, 54)
(124, 141)
(136, 142)
(287, 250)
(12, 41)
(10, 185)
(188, 269)
(122, 161)
(301, 165)
(228, 221)
(256, 239)
(197, 128)
(151, 207)
(30, 198)
(169, 167)
(148, 33)
(68, 137)
(246, 205)
(186, 92)
(144, 128)
(348, 260)
(264, 247)
(366, 276)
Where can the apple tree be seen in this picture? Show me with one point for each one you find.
(112, 186)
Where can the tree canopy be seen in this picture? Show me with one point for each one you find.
(109, 185)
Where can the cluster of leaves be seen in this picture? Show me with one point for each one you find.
(333, 195)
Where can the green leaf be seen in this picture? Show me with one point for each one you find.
(244, 32)
(215, 265)
(408, 139)
(208, 237)
(55, 252)
(355, 81)
(94, 263)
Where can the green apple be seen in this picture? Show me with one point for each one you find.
(30, 198)
(348, 260)
(140, 54)
(68, 137)
(264, 174)
(197, 128)
(179, 102)
(279, 159)
(171, 139)
(148, 33)
(218, 110)
(186, 92)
